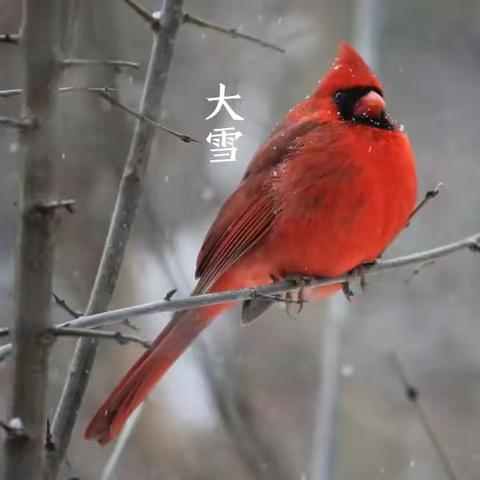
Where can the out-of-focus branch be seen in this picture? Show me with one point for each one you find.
(113, 317)
(14, 122)
(87, 62)
(413, 396)
(128, 199)
(256, 449)
(231, 32)
(328, 405)
(13, 92)
(35, 247)
(12, 38)
(109, 469)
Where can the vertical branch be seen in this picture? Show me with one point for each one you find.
(35, 247)
(365, 37)
(127, 201)
(328, 403)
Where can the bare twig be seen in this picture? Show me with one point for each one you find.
(13, 38)
(413, 396)
(128, 198)
(14, 429)
(89, 62)
(18, 91)
(143, 13)
(199, 22)
(113, 317)
(109, 469)
(428, 196)
(182, 136)
(67, 204)
(381, 266)
(49, 443)
(35, 248)
(232, 32)
(63, 304)
(119, 337)
(14, 122)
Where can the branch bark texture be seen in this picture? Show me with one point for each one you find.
(35, 247)
(128, 198)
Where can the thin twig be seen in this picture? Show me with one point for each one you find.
(413, 396)
(12, 38)
(18, 91)
(381, 266)
(111, 464)
(231, 32)
(182, 136)
(126, 205)
(114, 317)
(143, 13)
(14, 122)
(66, 331)
(35, 246)
(428, 196)
(89, 62)
(63, 304)
(119, 337)
(68, 204)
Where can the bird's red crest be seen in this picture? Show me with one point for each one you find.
(348, 70)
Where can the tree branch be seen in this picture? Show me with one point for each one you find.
(113, 317)
(19, 123)
(35, 247)
(431, 194)
(413, 396)
(13, 38)
(87, 62)
(128, 199)
(199, 22)
(119, 337)
(12, 92)
(143, 13)
(182, 136)
(231, 32)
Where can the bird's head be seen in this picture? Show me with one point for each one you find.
(349, 92)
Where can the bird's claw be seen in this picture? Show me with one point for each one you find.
(300, 281)
(347, 291)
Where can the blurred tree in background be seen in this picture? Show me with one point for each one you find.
(241, 403)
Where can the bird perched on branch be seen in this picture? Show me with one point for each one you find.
(330, 188)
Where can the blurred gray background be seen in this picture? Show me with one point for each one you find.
(241, 404)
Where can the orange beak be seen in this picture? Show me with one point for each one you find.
(370, 105)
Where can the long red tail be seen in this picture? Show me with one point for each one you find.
(147, 371)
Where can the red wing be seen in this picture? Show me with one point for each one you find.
(249, 212)
(242, 221)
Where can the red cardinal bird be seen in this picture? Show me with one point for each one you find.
(329, 189)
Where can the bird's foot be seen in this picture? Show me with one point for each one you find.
(295, 298)
(347, 291)
(361, 271)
